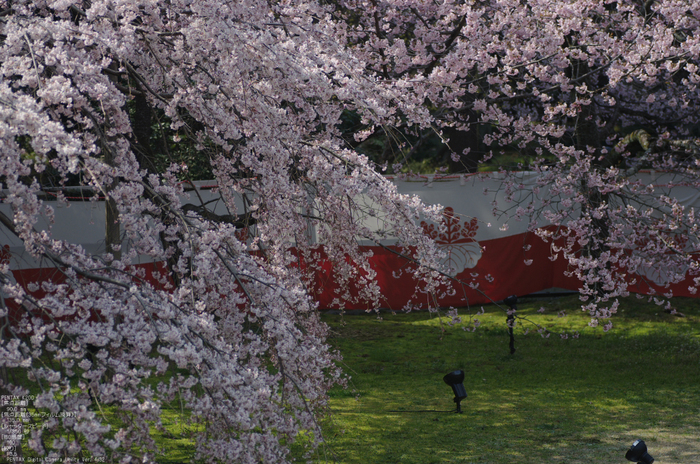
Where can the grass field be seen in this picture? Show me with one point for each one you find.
(583, 399)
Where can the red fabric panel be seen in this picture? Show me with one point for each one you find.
(501, 271)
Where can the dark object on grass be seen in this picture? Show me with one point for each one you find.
(638, 453)
(511, 301)
(454, 379)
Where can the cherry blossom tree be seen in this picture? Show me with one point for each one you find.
(590, 91)
(93, 93)
(103, 94)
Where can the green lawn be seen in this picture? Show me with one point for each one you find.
(558, 400)
(568, 400)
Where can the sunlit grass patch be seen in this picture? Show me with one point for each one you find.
(571, 393)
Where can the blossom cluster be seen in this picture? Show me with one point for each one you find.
(590, 92)
(227, 330)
